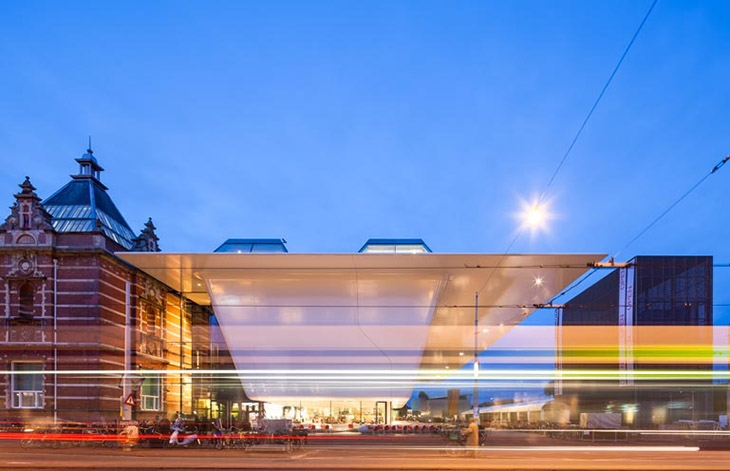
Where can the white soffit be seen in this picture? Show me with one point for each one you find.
(287, 312)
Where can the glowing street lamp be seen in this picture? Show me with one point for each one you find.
(535, 216)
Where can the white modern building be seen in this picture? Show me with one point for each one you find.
(306, 329)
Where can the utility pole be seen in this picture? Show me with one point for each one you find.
(476, 358)
(126, 409)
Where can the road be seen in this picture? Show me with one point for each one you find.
(505, 452)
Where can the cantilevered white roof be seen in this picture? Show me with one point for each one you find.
(324, 326)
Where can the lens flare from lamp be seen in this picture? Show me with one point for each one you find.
(534, 215)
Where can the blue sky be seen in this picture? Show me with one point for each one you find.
(328, 123)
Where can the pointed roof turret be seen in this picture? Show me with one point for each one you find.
(83, 205)
(89, 167)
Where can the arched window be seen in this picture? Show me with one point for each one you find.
(27, 307)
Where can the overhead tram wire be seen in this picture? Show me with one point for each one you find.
(673, 205)
(651, 224)
(598, 99)
(357, 315)
(578, 133)
(525, 305)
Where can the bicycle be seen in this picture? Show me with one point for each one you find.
(455, 441)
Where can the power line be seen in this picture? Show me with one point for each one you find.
(574, 285)
(598, 99)
(673, 205)
(582, 126)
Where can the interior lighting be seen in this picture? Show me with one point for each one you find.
(538, 280)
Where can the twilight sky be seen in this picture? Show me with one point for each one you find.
(328, 123)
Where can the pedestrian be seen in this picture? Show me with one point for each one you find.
(130, 436)
(472, 437)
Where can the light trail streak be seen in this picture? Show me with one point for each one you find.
(404, 375)
(585, 448)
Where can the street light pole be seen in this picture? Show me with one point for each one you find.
(476, 359)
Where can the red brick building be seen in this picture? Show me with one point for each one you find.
(74, 317)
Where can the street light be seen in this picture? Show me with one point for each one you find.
(534, 216)
(475, 401)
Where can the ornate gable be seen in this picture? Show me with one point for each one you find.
(28, 225)
(147, 240)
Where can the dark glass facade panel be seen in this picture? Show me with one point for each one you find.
(660, 294)
(597, 305)
(667, 291)
(673, 291)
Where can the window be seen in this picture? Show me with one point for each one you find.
(27, 386)
(151, 392)
(26, 308)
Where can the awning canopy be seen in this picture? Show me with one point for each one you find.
(325, 326)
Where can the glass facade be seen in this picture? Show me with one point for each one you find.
(666, 291)
(674, 291)
(653, 315)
